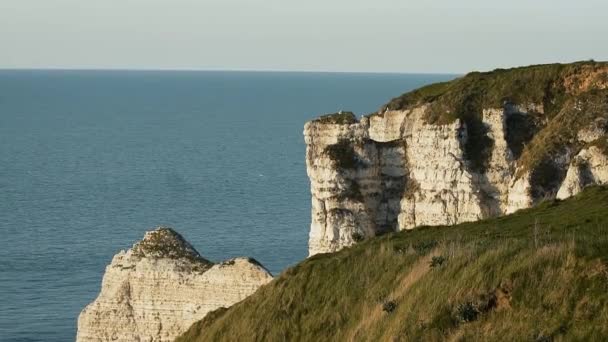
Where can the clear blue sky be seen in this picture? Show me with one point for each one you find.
(329, 35)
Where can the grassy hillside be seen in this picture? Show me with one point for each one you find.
(538, 275)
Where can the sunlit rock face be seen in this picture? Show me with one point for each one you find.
(393, 171)
(158, 288)
(590, 166)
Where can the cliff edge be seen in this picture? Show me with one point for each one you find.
(480, 146)
(158, 288)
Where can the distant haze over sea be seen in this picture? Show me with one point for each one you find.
(89, 160)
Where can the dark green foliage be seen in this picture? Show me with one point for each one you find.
(389, 306)
(437, 261)
(400, 249)
(418, 96)
(466, 312)
(424, 247)
(468, 95)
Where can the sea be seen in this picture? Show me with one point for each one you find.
(90, 160)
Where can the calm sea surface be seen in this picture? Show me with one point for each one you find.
(90, 160)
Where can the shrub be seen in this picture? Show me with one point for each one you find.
(357, 237)
(401, 249)
(389, 306)
(466, 312)
(437, 261)
(424, 247)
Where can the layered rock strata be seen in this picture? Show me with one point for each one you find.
(397, 169)
(158, 288)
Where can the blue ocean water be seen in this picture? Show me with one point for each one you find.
(90, 160)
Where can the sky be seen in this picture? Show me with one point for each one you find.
(432, 36)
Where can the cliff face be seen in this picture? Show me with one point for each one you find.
(157, 289)
(480, 146)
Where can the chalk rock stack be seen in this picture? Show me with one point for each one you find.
(158, 288)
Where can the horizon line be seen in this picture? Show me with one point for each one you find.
(226, 70)
(193, 69)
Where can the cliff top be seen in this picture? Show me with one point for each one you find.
(548, 85)
(558, 99)
(341, 118)
(164, 242)
(545, 87)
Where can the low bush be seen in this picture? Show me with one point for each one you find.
(437, 261)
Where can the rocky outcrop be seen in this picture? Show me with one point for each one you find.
(436, 161)
(389, 173)
(590, 166)
(158, 288)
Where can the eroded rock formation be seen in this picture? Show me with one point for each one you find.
(461, 151)
(158, 288)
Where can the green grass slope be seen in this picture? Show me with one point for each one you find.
(538, 275)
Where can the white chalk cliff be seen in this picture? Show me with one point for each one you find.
(396, 170)
(590, 166)
(161, 286)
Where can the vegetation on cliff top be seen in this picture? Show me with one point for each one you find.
(549, 93)
(546, 85)
(540, 274)
(164, 242)
(340, 118)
